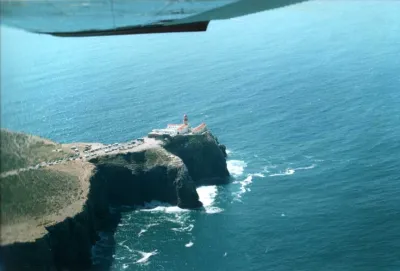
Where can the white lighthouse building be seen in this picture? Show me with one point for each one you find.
(178, 129)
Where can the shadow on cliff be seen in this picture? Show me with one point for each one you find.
(67, 245)
(167, 174)
(104, 249)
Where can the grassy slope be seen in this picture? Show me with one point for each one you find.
(18, 150)
(31, 199)
(36, 193)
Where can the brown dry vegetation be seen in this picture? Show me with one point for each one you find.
(19, 150)
(31, 200)
(36, 193)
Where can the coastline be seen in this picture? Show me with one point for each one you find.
(130, 173)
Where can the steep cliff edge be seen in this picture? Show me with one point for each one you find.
(60, 240)
(153, 174)
(61, 237)
(204, 157)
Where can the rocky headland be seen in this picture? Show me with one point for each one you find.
(52, 211)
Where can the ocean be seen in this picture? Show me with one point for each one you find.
(306, 99)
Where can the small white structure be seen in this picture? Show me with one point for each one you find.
(183, 129)
(178, 129)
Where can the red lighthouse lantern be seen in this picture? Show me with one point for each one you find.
(185, 119)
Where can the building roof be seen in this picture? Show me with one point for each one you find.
(199, 127)
(183, 126)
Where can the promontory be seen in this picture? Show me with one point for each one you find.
(56, 198)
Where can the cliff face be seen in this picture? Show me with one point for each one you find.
(67, 245)
(153, 174)
(204, 157)
(168, 173)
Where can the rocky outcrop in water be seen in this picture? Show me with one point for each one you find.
(204, 157)
(152, 174)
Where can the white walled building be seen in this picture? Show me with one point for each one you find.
(178, 129)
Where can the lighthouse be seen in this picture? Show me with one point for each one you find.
(185, 120)
(178, 129)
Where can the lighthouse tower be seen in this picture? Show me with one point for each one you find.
(185, 120)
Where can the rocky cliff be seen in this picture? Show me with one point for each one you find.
(152, 174)
(167, 172)
(66, 245)
(204, 157)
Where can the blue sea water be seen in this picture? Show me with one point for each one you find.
(306, 98)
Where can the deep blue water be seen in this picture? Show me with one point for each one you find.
(307, 100)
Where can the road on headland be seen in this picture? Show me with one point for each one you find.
(95, 150)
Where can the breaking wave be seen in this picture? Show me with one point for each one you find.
(244, 185)
(157, 206)
(142, 231)
(304, 168)
(190, 244)
(207, 196)
(288, 171)
(291, 171)
(145, 256)
(236, 167)
(238, 195)
(184, 229)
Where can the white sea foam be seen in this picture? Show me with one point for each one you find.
(214, 210)
(243, 184)
(141, 232)
(236, 167)
(121, 243)
(288, 171)
(146, 256)
(291, 171)
(146, 229)
(184, 229)
(128, 248)
(189, 244)
(177, 220)
(207, 196)
(228, 151)
(304, 168)
(156, 206)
